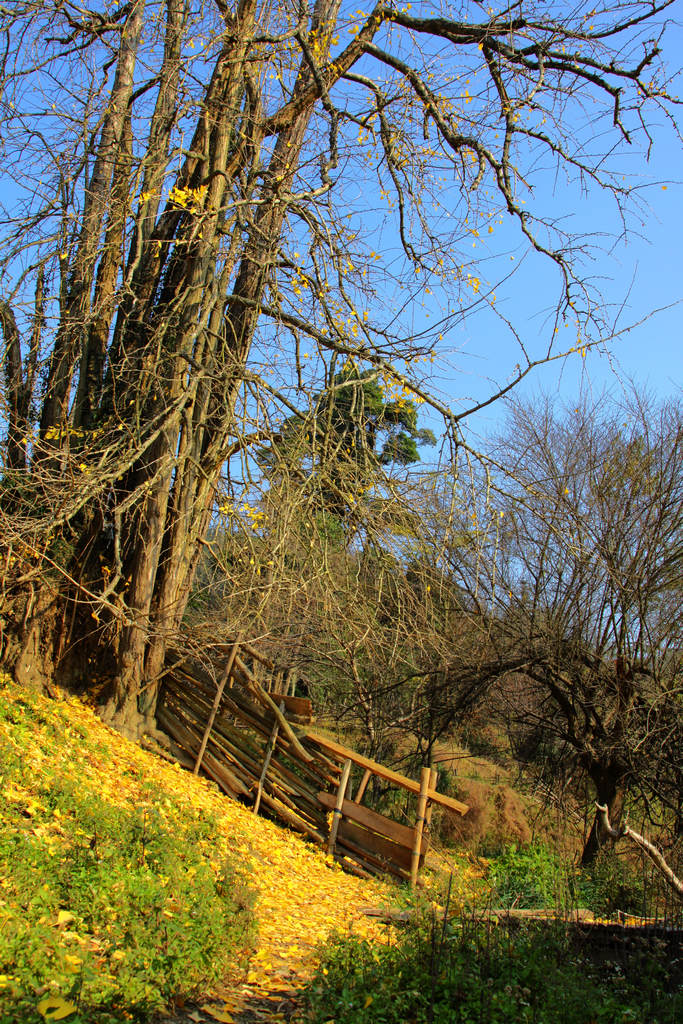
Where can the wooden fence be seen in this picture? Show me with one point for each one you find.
(247, 732)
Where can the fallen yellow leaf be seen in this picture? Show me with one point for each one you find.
(55, 1008)
(222, 1015)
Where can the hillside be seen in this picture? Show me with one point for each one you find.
(129, 886)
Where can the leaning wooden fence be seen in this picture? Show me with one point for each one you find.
(254, 740)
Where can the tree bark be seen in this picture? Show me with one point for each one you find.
(167, 532)
(611, 792)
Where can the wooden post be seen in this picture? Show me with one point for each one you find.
(336, 814)
(363, 785)
(419, 824)
(214, 710)
(434, 775)
(266, 762)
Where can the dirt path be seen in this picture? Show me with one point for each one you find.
(302, 899)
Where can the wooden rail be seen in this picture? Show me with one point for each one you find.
(239, 730)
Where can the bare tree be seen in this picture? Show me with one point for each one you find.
(581, 578)
(183, 178)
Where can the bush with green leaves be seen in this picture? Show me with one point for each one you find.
(110, 906)
(471, 972)
(533, 876)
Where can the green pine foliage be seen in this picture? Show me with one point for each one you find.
(355, 427)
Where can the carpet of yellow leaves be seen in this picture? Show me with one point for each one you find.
(302, 896)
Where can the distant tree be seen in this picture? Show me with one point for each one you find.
(579, 572)
(356, 428)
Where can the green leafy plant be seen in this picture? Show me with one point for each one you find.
(474, 972)
(110, 907)
(612, 883)
(532, 876)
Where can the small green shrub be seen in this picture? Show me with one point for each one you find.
(612, 883)
(533, 876)
(112, 907)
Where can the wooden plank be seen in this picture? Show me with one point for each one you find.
(380, 846)
(384, 773)
(269, 753)
(293, 820)
(427, 832)
(338, 802)
(353, 866)
(240, 771)
(425, 776)
(367, 775)
(305, 785)
(258, 656)
(373, 820)
(234, 746)
(186, 736)
(267, 701)
(278, 774)
(226, 779)
(369, 860)
(214, 708)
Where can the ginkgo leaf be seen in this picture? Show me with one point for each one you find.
(368, 1001)
(222, 1015)
(55, 1008)
(64, 917)
(73, 963)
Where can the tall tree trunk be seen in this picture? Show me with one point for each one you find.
(165, 566)
(75, 315)
(610, 786)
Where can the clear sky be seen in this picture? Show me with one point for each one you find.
(640, 278)
(478, 355)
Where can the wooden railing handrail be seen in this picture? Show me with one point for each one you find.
(382, 772)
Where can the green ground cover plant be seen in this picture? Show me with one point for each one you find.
(114, 895)
(532, 876)
(613, 883)
(537, 876)
(473, 972)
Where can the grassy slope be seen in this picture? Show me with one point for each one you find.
(126, 882)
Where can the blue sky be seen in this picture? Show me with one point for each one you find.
(641, 281)
(635, 277)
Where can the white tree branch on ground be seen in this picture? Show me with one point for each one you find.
(655, 855)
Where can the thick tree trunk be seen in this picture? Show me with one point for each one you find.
(611, 793)
(163, 339)
(76, 312)
(168, 531)
(29, 629)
